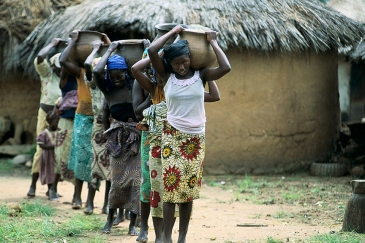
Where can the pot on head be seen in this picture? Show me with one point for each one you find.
(201, 52)
(57, 49)
(102, 49)
(84, 46)
(131, 50)
(164, 28)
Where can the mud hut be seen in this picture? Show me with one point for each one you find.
(279, 105)
(351, 78)
(19, 95)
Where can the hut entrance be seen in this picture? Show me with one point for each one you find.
(357, 92)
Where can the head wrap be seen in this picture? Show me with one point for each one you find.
(55, 60)
(176, 49)
(116, 62)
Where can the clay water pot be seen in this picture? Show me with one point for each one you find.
(84, 46)
(164, 28)
(201, 52)
(57, 49)
(131, 50)
(102, 49)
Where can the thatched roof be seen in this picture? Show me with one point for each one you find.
(359, 53)
(354, 9)
(18, 18)
(265, 25)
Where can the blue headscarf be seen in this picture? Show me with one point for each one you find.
(116, 62)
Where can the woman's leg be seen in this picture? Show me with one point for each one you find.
(168, 220)
(132, 225)
(106, 197)
(33, 185)
(120, 216)
(109, 221)
(90, 200)
(145, 213)
(78, 189)
(158, 225)
(185, 213)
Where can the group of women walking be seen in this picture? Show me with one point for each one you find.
(145, 137)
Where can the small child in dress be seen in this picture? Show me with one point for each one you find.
(47, 141)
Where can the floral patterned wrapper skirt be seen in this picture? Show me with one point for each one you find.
(62, 150)
(182, 164)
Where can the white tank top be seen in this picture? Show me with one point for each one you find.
(185, 104)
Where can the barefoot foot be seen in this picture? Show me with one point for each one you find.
(104, 210)
(142, 236)
(132, 230)
(107, 227)
(52, 195)
(88, 210)
(120, 218)
(31, 192)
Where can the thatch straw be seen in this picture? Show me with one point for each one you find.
(359, 53)
(265, 25)
(18, 18)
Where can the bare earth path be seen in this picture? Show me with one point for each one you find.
(218, 216)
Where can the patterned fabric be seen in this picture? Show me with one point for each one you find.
(50, 90)
(80, 159)
(100, 165)
(62, 149)
(69, 101)
(41, 126)
(123, 145)
(47, 162)
(155, 164)
(182, 164)
(97, 97)
(145, 182)
(154, 116)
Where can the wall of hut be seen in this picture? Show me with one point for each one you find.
(19, 100)
(277, 113)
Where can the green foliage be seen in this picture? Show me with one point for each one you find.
(272, 240)
(34, 221)
(347, 237)
(5, 166)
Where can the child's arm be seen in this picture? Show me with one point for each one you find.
(44, 146)
(41, 140)
(213, 94)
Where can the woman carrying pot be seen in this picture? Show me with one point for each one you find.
(183, 136)
(123, 138)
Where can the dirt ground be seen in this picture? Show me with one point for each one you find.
(220, 214)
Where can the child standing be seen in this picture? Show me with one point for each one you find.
(47, 141)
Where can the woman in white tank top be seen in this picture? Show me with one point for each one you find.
(183, 136)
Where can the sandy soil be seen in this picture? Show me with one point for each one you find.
(217, 215)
